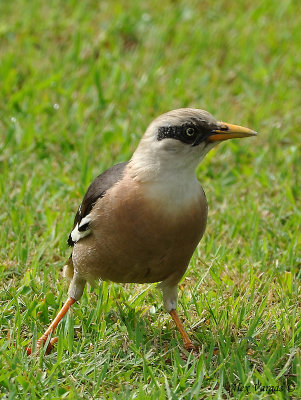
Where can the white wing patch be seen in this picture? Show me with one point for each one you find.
(78, 234)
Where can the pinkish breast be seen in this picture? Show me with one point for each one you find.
(134, 239)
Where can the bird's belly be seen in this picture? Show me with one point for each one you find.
(132, 241)
(127, 260)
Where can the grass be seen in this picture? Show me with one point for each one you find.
(79, 82)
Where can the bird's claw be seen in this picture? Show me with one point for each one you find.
(40, 344)
(190, 347)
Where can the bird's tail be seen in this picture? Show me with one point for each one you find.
(68, 269)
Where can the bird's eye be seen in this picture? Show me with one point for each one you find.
(190, 131)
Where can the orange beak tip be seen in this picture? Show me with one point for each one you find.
(230, 131)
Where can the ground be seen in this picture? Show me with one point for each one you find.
(80, 81)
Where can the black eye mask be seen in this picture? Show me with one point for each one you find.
(187, 133)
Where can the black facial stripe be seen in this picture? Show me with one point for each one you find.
(180, 133)
(174, 132)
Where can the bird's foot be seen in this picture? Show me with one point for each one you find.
(40, 344)
(190, 347)
(53, 325)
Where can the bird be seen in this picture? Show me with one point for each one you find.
(141, 220)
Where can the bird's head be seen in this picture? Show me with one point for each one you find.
(180, 139)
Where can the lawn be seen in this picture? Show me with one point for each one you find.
(79, 82)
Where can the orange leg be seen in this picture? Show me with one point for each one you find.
(187, 342)
(52, 327)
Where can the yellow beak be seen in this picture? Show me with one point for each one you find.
(229, 131)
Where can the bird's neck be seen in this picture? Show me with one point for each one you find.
(166, 179)
(148, 165)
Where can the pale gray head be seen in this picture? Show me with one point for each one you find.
(179, 139)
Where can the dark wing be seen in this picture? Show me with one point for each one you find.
(96, 190)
